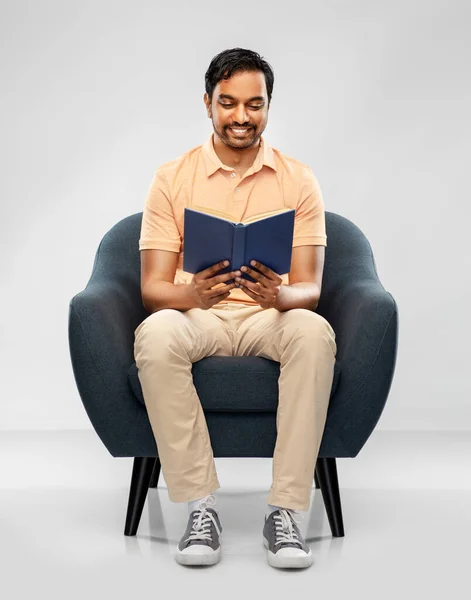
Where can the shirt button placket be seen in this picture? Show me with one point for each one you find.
(237, 189)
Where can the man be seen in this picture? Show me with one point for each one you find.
(194, 316)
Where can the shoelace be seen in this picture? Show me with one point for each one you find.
(284, 529)
(201, 528)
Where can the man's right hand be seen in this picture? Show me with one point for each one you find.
(203, 281)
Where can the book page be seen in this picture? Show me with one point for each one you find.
(216, 213)
(228, 217)
(263, 215)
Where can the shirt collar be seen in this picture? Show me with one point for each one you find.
(212, 162)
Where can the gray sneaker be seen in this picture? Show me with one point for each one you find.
(200, 543)
(286, 545)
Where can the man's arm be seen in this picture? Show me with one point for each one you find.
(158, 268)
(305, 279)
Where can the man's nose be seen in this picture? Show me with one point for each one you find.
(240, 115)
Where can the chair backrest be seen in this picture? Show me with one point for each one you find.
(348, 257)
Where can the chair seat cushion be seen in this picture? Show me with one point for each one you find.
(233, 383)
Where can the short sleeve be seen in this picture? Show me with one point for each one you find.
(159, 230)
(309, 220)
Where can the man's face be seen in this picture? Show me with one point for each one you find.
(247, 107)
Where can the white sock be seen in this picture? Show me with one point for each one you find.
(271, 508)
(194, 504)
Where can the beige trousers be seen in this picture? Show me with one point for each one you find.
(166, 344)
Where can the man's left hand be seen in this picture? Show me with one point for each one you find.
(265, 290)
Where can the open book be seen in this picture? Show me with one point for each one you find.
(211, 236)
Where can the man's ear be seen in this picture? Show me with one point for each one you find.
(208, 106)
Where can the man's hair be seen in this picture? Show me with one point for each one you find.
(227, 62)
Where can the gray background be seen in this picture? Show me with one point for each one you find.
(373, 96)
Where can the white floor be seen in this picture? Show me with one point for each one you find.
(406, 501)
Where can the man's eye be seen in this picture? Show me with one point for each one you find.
(253, 107)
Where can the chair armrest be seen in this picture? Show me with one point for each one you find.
(364, 317)
(102, 321)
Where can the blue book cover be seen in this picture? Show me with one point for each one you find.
(212, 236)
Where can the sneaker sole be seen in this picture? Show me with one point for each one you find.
(288, 562)
(198, 558)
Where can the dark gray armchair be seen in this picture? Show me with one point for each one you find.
(239, 395)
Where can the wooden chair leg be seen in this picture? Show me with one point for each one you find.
(326, 471)
(141, 474)
(154, 480)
